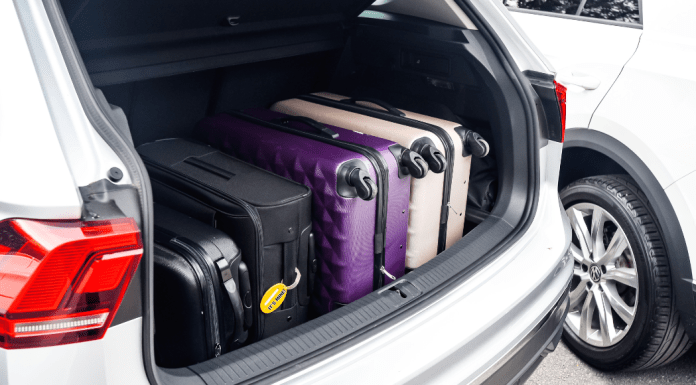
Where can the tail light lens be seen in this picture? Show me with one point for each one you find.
(62, 281)
(561, 96)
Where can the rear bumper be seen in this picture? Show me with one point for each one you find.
(520, 362)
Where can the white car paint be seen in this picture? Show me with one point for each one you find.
(582, 52)
(88, 155)
(115, 359)
(30, 154)
(649, 107)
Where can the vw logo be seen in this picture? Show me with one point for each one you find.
(595, 273)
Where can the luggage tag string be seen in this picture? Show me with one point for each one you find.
(275, 296)
(297, 280)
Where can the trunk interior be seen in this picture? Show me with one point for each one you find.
(167, 76)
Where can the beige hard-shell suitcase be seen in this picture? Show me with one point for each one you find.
(438, 201)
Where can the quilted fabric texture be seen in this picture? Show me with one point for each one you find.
(344, 228)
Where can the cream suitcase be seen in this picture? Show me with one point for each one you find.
(438, 201)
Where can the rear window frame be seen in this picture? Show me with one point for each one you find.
(638, 25)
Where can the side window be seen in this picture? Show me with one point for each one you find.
(618, 10)
(568, 7)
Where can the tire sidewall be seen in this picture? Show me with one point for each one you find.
(623, 353)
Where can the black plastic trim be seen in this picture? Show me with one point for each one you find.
(545, 88)
(675, 243)
(534, 346)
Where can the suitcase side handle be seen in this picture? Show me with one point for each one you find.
(233, 292)
(386, 106)
(245, 291)
(323, 130)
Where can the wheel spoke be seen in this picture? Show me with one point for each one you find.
(625, 275)
(578, 272)
(577, 295)
(597, 229)
(577, 254)
(586, 316)
(627, 313)
(617, 245)
(580, 229)
(606, 319)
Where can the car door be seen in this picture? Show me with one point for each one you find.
(587, 41)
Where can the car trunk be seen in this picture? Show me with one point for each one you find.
(170, 67)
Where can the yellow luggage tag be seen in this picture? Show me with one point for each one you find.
(275, 296)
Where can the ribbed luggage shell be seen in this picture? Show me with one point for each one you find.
(427, 193)
(344, 228)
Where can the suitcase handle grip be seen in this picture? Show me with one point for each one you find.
(323, 130)
(233, 292)
(388, 107)
(245, 292)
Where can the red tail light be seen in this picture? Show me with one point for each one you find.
(561, 96)
(62, 281)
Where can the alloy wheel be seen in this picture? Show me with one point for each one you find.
(604, 291)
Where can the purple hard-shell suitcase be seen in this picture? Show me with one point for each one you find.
(350, 245)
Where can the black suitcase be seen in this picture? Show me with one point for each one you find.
(199, 283)
(268, 217)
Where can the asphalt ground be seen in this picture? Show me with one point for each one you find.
(562, 368)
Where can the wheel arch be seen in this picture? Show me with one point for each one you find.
(590, 153)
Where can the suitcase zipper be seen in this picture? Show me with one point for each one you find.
(438, 131)
(381, 169)
(253, 215)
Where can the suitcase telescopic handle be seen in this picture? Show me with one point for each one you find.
(323, 130)
(386, 106)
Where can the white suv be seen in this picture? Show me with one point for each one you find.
(627, 175)
(85, 82)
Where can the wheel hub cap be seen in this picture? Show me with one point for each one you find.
(595, 273)
(604, 291)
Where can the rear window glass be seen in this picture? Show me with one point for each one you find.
(569, 7)
(618, 10)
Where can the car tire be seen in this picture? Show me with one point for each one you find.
(654, 336)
